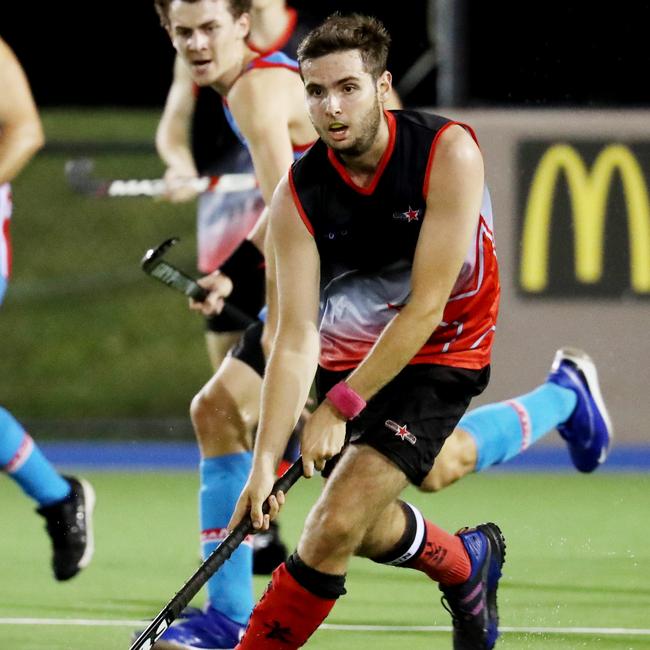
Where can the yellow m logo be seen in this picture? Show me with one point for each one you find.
(589, 191)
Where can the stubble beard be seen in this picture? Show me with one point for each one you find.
(369, 127)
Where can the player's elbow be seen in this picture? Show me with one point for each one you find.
(298, 336)
(162, 141)
(427, 313)
(33, 138)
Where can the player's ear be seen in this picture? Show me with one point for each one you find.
(384, 84)
(244, 24)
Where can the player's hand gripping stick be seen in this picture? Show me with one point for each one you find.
(154, 265)
(210, 566)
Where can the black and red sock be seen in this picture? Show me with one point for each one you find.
(429, 549)
(295, 603)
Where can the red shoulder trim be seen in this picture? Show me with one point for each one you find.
(425, 187)
(298, 204)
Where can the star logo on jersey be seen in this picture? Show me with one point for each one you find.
(401, 431)
(409, 215)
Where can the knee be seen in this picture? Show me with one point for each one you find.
(456, 459)
(441, 475)
(330, 532)
(218, 425)
(202, 406)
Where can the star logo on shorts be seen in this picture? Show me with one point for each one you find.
(401, 431)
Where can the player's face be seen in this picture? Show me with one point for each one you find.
(207, 37)
(344, 101)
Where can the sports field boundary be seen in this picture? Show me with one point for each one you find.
(336, 627)
(183, 456)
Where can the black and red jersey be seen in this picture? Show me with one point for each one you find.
(366, 238)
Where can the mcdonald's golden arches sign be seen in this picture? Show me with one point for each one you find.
(584, 219)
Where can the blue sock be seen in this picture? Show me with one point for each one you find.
(503, 430)
(222, 479)
(24, 462)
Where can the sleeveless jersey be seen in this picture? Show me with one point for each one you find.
(273, 60)
(225, 220)
(215, 148)
(366, 239)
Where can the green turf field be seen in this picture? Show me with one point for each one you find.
(578, 557)
(85, 333)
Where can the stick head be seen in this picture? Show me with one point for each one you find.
(154, 265)
(154, 254)
(79, 174)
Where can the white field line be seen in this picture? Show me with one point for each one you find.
(611, 631)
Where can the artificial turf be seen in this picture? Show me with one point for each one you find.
(577, 557)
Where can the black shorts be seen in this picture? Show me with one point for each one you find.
(245, 267)
(410, 418)
(249, 348)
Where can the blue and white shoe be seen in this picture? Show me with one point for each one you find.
(207, 630)
(588, 431)
(473, 603)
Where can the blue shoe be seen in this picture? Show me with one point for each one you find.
(473, 604)
(208, 630)
(588, 432)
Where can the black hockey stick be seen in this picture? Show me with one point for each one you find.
(209, 567)
(154, 265)
(79, 173)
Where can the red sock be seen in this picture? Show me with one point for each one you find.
(286, 615)
(443, 558)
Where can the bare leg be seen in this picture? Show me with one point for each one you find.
(338, 522)
(226, 409)
(218, 344)
(456, 459)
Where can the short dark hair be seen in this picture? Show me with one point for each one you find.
(354, 32)
(237, 8)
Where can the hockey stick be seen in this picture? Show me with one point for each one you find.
(154, 265)
(80, 176)
(209, 567)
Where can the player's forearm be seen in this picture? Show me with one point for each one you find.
(17, 147)
(174, 150)
(398, 344)
(271, 321)
(287, 381)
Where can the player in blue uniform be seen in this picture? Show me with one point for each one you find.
(65, 502)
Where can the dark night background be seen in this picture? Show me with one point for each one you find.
(535, 54)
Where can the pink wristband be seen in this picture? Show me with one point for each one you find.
(346, 401)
